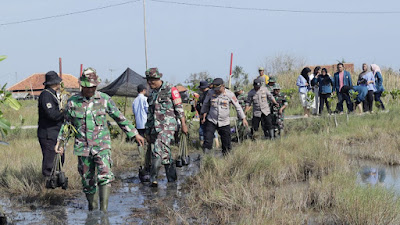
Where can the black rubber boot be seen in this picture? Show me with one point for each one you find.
(93, 201)
(170, 172)
(155, 167)
(104, 194)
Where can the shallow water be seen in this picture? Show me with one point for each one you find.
(377, 174)
(132, 203)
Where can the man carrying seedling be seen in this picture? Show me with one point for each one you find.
(242, 98)
(165, 107)
(260, 98)
(87, 112)
(215, 115)
(50, 121)
(277, 110)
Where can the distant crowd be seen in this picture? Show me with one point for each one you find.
(317, 88)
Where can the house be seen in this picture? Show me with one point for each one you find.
(32, 86)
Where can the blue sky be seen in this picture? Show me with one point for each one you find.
(188, 39)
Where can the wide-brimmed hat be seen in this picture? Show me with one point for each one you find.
(89, 78)
(204, 84)
(52, 78)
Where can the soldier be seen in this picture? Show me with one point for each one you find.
(260, 98)
(242, 98)
(165, 106)
(87, 112)
(271, 83)
(215, 115)
(278, 110)
(50, 121)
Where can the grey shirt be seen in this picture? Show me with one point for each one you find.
(217, 107)
(260, 100)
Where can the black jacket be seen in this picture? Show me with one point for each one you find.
(201, 100)
(50, 117)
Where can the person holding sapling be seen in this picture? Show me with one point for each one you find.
(87, 112)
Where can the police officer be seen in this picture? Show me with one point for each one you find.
(165, 107)
(87, 112)
(50, 120)
(260, 98)
(215, 115)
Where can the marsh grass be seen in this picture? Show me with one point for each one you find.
(305, 176)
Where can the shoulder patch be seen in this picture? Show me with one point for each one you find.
(176, 97)
(49, 105)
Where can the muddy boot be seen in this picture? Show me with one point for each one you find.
(93, 200)
(170, 172)
(271, 134)
(104, 194)
(155, 167)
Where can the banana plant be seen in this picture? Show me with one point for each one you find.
(7, 100)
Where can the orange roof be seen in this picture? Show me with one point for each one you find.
(35, 82)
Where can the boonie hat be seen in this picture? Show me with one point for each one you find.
(272, 79)
(203, 84)
(89, 78)
(153, 73)
(276, 87)
(52, 78)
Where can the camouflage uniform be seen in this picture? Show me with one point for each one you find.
(277, 119)
(165, 107)
(270, 87)
(92, 141)
(242, 98)
(162, 119)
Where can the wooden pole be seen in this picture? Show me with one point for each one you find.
(60, 65)
(230, 72)
(145, 34)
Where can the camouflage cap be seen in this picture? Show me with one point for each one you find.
(276, 87)
(209, 80)
(153, 73)
(89, 78)
(238, 88)
(272, 79)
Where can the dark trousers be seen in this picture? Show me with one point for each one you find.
(378, 99)
(323, 99)
(224, 132)
(141, 132)
(266, 123)
(369, 101)
(341, 98)
(49, 154)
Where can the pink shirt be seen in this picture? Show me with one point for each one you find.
(341, 76)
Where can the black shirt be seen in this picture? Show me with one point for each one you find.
(201, 100)
(50, 117)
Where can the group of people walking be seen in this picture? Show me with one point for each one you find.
(214, 103)
(315, 89)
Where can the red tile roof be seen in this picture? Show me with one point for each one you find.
(35, 82)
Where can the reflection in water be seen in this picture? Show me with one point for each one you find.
(373, 175)
(97, 217)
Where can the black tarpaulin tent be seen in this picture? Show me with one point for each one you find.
(125, 85)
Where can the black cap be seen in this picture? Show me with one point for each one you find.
(52, 78)
(203, 84)
(218, 82)
(257, 82)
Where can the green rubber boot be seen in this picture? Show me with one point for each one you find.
(104, 194)
(155, 168)
(93, 200)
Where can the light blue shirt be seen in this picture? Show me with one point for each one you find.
(301, 83)
(140, 109)
(369, 76)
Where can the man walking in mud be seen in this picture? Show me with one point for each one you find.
(260, 98)
(215, 114)
(165, 107)
(87, 112)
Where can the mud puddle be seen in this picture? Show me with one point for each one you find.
(132, 203)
